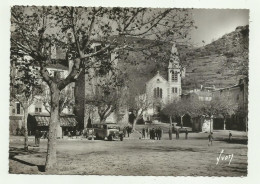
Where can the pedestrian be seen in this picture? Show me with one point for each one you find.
(37, 138)
(77, 134)
(159, 133)
(45, 135)
(128, 130)
(143, 133)
(210, 137)
(186, 134)
(230, 136)
(177, 134)
(124, 131)
(153, 134)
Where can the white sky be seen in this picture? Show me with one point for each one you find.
(214, 23)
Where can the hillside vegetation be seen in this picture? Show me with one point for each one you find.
(220, 63)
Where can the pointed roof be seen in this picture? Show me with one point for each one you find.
(157, 75)
(174, 58)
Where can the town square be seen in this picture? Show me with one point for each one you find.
(128, 91)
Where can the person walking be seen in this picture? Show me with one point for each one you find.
(229, 136)
(37, 138)
(177, 134)
(143, 133)
(124, 131)
(186, 134)
(128, 130)
(210, 137)
(159, 133)
(153, 133)
(156, 133)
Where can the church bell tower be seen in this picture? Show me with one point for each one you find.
(174, 75)
(174, 69)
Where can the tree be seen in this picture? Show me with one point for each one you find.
(219, 105)
(25, 87)
(35, 30)
(67, 100)
(107, 93)
(139, 104)
(181, 107)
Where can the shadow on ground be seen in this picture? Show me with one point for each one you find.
(236, 141)
(20, 151)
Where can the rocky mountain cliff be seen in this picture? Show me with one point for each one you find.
(220, 63)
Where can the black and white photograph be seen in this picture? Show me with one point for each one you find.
(128, 91)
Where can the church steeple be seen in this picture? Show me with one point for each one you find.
(174, 65)
(174, 58)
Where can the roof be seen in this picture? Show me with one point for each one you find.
(157, 75)
(230, 87)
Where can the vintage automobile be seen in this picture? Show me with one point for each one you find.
(107, 131)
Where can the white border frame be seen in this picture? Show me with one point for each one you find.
(254, 90)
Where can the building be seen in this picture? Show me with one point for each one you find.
(161, 91)
(86, 89)
(202, 94)
(237, 94)
(38, 117)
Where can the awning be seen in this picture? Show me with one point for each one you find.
(64, 121)
(68, 121)
(42, 120)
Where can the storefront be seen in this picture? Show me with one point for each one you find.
(41, 122)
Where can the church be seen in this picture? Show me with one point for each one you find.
(161, 91)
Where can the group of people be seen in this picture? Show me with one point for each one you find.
(127, 130)
(178, 133)
(211, 138)
(154, 133)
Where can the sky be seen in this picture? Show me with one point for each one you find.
(214, 23)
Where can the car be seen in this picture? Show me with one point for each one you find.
(107, 131)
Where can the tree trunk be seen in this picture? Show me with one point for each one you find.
(51, 160)
(134, 123)
(170, 130)
(182, 121)
(102, 120)
(25, 127)
(246, 121)
(224, 124)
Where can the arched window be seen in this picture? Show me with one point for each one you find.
(157, 92)
(160, 92)
(174, 76)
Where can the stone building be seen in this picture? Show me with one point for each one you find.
(161, 91)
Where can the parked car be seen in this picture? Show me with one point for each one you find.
(107, 131)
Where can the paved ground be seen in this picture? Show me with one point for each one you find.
(134, 156)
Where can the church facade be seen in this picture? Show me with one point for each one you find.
(161, 91)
